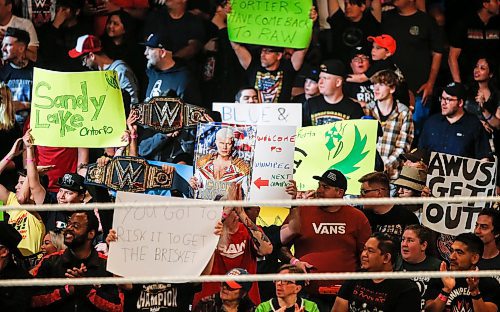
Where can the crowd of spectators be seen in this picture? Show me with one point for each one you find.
(426, 70)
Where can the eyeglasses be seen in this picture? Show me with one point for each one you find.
(447, 100)
(364, 192)
(284, 282)
(360, 59)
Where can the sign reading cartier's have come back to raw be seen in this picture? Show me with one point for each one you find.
(77, 109)
(450, 175)
(278, 23)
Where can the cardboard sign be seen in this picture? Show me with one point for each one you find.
(289, 114)
(273, 162)
(348, 146)
(272, 23)
(223, 156)
(83, 109)
(161, 241)
(450, 175)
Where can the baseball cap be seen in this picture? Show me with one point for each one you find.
(360, 50)
(238, 285)
(158, 40)
(274, 49)
(313, 74)
(72, 181)
(10, 238)
(333, 178)
(333, 67)
(385, 41)
(416, 155)
(456, 89)
(85, 44)
(412, 178)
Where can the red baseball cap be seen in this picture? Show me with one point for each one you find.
(85, 44)
(385, 41)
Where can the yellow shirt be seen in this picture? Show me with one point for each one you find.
(31, 229)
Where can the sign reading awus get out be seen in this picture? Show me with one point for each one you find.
(277, 23)
(77, 109)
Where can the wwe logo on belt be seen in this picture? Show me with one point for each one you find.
(130, 175)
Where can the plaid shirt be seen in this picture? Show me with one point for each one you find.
(397, 137)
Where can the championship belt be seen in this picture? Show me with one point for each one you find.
(129, 174)
(169, 114)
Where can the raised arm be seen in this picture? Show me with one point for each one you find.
(377, 10)
(333, 7)
(244, 56)
(35, 186)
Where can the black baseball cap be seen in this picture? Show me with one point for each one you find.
(333, 67)
(10, 238)
(456, 89)
(333, 178)
(158, 40)
(360, 50)
(73, 182)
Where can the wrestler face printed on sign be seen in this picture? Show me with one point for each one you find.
(224, 140)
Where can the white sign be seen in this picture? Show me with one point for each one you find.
(289, 114)
(273, 162)
(162, 241)
(450, 175)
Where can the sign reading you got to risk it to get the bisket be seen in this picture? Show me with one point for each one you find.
(83, 109)
(278, 23)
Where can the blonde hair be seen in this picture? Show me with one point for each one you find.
(7, 114)
(57, 240)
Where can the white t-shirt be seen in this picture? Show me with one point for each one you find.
(24, 24)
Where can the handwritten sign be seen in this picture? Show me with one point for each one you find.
(272, 22)
(348, 146)
(77, 109)
(273, 162)
(450, 175)
(161, 241)
(289, 114)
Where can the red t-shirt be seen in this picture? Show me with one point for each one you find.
(239, 253)
(331, 242)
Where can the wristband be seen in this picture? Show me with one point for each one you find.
(6, 158)
(444, 293)
(134, 136)
(224, 216)
(294, 261)
(442, 297)
(476, 297)
(66, 288)
(30, 160)
(489, 118)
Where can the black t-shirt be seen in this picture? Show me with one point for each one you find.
(489, 264)
(388, 295)
(348, 34)
(417, 36)
(19, 80)
(476, 39)
(161, 297)
(424, 283)
(459, 298)
(362, 92)
(393, 222)
(274, 86)
(178, 32)
(317, 111)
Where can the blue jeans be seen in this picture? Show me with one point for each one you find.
(420, 114)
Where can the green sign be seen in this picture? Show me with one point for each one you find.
(77, 109)
(348, 146)
(1, 212)
(279, 23)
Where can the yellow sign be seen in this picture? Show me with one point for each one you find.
(77, 109)
(272, 215)
(348, 146)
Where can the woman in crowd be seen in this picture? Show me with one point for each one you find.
(52, 242)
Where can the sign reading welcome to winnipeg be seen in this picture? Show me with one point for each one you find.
(83, 109)
(278, 23)
(449, 176)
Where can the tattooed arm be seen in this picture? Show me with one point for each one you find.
(261, 242)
